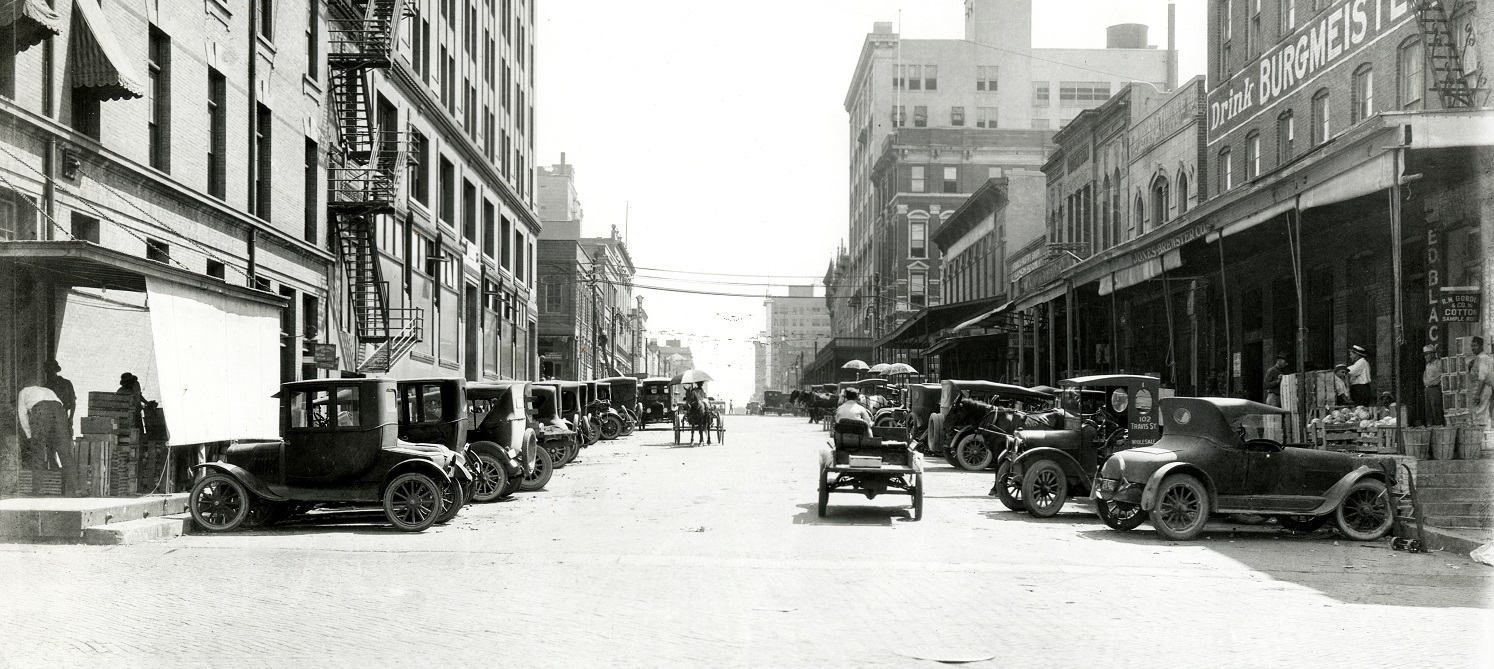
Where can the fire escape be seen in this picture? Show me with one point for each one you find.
(1445, 54)
(364, 184)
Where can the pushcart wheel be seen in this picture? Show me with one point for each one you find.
(918, 497)
(824, 492)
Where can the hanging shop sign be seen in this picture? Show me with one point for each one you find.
(1330, 38)
(1434, 286)
(1458, 305)
(325, 355)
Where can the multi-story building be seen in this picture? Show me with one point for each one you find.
(613, 310)
(930, 120)
(675, 358)
(590, 327)
(148, 223)
(798, 324)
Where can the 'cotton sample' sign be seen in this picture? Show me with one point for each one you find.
(1330, 38)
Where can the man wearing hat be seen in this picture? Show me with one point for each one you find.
(1431, 391)
(1360, 392)
(1273, 380)
(49, 434)
(1482, 380)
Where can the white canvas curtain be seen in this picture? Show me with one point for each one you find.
(217, 360)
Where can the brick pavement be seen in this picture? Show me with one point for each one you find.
(645, 555)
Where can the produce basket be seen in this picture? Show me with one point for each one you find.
(1470, 443)
(1418, 442)
(1444, 442)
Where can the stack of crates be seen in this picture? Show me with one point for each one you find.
(109, 415)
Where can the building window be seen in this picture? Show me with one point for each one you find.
(505, 258)
(314, 35)
(1410, 81)
(918, 238)
(448, 192)
(985, 78)
(1083, 94)
(1320, 127)
(217, 160)
(83, 228)
(951, 179)
(1182, 193)
(158, 251)
(1040, 96)
(309, 176)
(899, 116)
(420, 184)
(957, 116)
(1286, 137)
(1286, 20)
(1042, 124)
(215, 269)
(1138, 217)
(158, 102)
(1253, 36)
(489, 229)
(1253, 155)
(262, 167)
(469, 211)
(931, 77)
(1160, 205)
(1363, 103)
(917, 289)
(267, 19)
(913, 77)
(1226, 171)
(918, 172)
(86, 111)
(985, 117)
(920, 116)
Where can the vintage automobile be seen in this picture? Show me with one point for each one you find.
(572, 396)
(340, 446)
(621, 416)
(881, 464)
(976, 418)
(1225, 456)
(591, 412)
(434, 411)
(657, 405)
(754, 408)
(554, 434)
(501, 434)
(1101, 415)
(923, 403)
(776, 403)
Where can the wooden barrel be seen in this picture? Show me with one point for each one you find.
(1444, 442)
(1418, 442)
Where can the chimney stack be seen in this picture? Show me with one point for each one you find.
(1172, 46)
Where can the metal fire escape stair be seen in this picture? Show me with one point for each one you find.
(364, 183)
(1444, 55)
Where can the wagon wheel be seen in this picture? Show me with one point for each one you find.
(219, 503)
(720, 429)
(412, 501)
(918, 497)
(824, 492)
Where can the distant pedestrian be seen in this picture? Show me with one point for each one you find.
(1360, 378)
(1273, 380)
(1431, 391)
(49, 436)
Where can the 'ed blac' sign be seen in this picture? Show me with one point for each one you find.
(1326, 40)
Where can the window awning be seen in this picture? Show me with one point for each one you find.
(32, 21)
(952, 342)
(986, 319)
(98, 60)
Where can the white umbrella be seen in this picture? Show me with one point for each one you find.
(691, 376)
(900, 368)
(856, 364)
(879, 368)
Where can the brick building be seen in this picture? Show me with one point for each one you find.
(797, 324)
(225, 195)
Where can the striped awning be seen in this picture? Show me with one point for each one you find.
(32, 20)
(98, 62)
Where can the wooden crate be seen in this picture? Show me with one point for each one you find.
(51, 482)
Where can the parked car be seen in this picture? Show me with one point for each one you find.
(1101, 415)
(1225, 456)
(620, 417)
(501, 435)
(555, 435)
(339, 445)
(976, 419)
(657, 407)
(434, 411)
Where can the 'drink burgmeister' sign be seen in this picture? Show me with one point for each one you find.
(1328, 39)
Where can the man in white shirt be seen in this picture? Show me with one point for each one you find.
(1360, 393)
(1481, 371)
(852, 408)
(49, 434)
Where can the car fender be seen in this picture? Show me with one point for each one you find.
(1067, 462)
(510, 468)
(1335, 495)
(414, 465)
(239, 474)
(1149, 495)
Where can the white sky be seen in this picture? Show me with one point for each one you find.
(720, 127)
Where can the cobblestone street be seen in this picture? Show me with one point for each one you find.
(643, 554)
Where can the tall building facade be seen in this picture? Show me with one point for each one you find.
(931, 120)
(798, 324)
(271, 191)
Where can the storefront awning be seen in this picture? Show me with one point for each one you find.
(917, 330)
(985, 319)
(946, 344)
(88, 265)
(1040, 297)
(32, 21)
(98, 62)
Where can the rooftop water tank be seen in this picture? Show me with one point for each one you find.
(1126, 36)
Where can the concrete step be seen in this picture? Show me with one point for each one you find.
(1434, 467)
(62, 519)
(1457, 508)
(1433, 495)
(138, 531)
(1466, 522)
(1456, 540)
(1471, 480)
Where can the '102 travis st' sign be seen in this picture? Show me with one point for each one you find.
(1346, 27)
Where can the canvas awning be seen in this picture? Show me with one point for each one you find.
(32, 21)
(98, 62)
(917, 330)
(1040, 297)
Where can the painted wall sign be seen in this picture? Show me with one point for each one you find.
(1329, 40)
(1176, 113)
(1434, 287)
(1458, 307)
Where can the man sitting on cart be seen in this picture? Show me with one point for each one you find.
(853, 409)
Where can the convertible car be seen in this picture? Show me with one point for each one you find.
(1225, 456)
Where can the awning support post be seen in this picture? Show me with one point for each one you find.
(1294, 237)
(1229, 348)
(1396, 162)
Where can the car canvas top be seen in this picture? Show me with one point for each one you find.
(1108, 380)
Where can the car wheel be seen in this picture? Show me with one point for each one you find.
(452, 495)
(412, 501)
(1119, 515)
(973, 455)
(612, 427)
(572, 449)
(1044, 489)
(1182, 508)
(488, 476)
(918, 497)
(1365, 514)
(824, 493)
(1303, 523)
(540, 477)
(1009, 487)
(220, 503)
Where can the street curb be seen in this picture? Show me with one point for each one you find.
(1460, 541)
(138, 531)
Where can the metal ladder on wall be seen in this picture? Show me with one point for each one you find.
(364, 177)
(1444, 54)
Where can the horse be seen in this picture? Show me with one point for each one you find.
(815, 404)
(701, 417)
